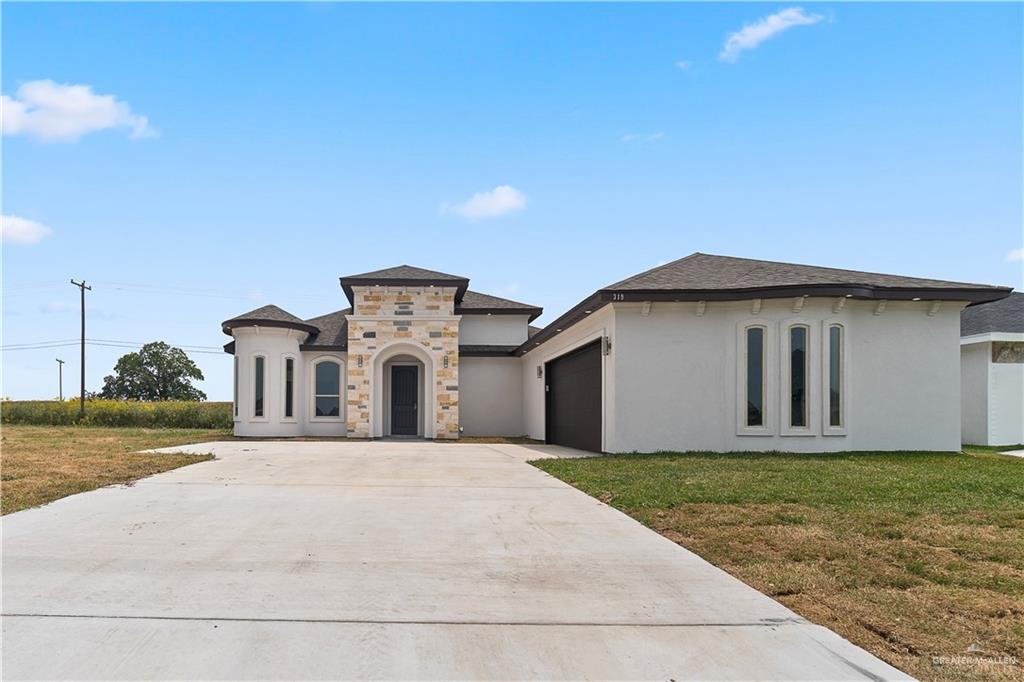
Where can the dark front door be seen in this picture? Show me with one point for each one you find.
(573, 399)
(404, 392)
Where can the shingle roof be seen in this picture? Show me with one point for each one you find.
(473, 302)
(267, 316)
(407, 275)
(1006, 315)
(702, 276)
(333, 331)
(706, 272)
(405, 272)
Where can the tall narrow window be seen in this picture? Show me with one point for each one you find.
(289, 387)
(755, 376)
(258, 387)
(835, 375)
(327, 389)
(798, 376)
(235, 398)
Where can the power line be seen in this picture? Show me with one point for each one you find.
(110, 344)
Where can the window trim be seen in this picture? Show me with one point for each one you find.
(811, 381)
(769, 386)
(313, 417)
(844, 382)
(284, 387)
(253, 417)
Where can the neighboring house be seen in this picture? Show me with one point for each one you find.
(704, 353)
(992, 372)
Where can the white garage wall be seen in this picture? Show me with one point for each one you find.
(600, 323)
(493, 330)
(491, 396)
(676, 375)
(974, 362)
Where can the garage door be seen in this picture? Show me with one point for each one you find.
(573, 398)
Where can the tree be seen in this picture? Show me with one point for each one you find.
(157, 372)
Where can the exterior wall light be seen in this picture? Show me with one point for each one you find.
(540, 371)
(446, 362)
(359, 360)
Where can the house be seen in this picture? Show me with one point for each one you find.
(992, 372)
(703, 353)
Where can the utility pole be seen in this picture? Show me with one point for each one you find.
(60, 378)
(81, 397)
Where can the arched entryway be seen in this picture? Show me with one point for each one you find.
(403, 392)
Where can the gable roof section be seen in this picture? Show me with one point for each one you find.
(702, 276)
(706, 273)
(1005, 315)
(406, 275)
(475, 303)
(268, 316)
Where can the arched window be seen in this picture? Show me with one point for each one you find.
(835, 376)
(799, 369)
(327, 389)
(259, 379)
(755, 376)
(289, 388)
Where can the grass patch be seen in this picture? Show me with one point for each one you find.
(40, 464)
(909, 555)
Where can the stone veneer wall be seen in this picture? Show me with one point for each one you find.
(423, 316)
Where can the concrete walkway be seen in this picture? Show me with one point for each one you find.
(390, 560)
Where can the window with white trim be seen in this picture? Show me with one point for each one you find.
(835, 375)
(289, 388)
(259, 385)
(799, 379)
(235, 398)
(327, 389)
(755, 393)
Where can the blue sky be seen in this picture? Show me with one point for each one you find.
(252, 153)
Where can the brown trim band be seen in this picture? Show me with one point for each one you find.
(228, 325)
(534, 313)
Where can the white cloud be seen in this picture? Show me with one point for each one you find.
(53, 112)
(752, 35)
(643, 137)
(1015, 255)
(683, 65)
(17, 230)
(496, 202)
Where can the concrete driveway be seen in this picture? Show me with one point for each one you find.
(399, 560)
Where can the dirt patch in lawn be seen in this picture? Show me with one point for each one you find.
(39, 464)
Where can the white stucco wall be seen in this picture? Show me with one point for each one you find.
(974, 363)
(493, 330)
(600, 323)
(992, 392)
(274, 345)
(491, 396)
(677, 376)
(1006, 403)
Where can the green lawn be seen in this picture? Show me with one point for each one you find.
(40, 464)
(910, 555)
